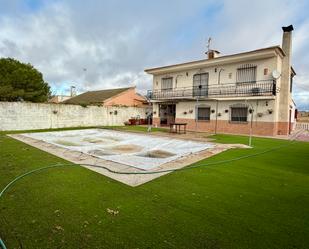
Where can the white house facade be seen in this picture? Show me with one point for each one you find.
(239, 93)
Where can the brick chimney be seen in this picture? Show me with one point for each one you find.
(285, 81)
(211, 54)
(287, 43)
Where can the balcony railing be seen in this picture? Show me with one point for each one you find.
(245, 89)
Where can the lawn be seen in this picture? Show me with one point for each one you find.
(257, 202)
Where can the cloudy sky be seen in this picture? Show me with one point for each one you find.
(97, 44)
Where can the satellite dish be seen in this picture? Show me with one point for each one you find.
(276, 74)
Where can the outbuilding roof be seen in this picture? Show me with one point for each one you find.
(95, 97)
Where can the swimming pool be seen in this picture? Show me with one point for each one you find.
(137, 150)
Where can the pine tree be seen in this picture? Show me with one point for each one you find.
(20, 81)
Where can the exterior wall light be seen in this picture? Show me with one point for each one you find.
(213, 111)
(226, 111)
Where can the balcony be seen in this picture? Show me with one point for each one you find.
(246, 89)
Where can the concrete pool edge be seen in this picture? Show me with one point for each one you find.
(132, 179)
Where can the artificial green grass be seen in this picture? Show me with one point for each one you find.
(258, 202)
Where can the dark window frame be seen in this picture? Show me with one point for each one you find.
(168, 88)
(241, 116)
(205, 118)
(246, 74)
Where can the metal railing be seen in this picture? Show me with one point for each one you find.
(302, 126)
(244, 89)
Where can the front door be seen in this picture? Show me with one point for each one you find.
(167, 113)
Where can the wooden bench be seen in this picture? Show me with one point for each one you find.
(176, 128)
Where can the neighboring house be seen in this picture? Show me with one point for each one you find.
(109, 97)
(58, 99)
(303, 116)
(229, 94)
(61, 98)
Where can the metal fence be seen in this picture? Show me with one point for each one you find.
(303, 126)
(256, 88)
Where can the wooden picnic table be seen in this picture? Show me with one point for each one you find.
(176, 127)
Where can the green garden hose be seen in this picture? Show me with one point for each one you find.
(137, 173)
(2, 244)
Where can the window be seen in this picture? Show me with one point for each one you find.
(239, 114)
(203, 113)
(246, 74)
(200, 84)
(167, 84)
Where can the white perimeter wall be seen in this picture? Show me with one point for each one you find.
(26, 116)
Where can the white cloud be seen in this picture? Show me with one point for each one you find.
(116, 40)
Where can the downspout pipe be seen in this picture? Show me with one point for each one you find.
(151, 113)
(196, 114)
(216, 125)
(251, 122)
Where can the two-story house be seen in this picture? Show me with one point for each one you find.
(238, 93)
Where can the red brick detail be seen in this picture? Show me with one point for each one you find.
(224, 126)
(156, 122)
(283, 128)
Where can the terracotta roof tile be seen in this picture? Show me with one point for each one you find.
(95, 97)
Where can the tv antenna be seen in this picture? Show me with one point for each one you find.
(208, 44)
